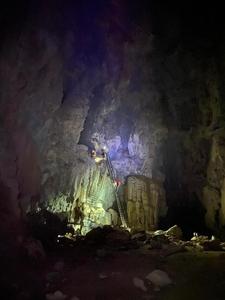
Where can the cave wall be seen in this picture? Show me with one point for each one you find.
(147, 84)
(193, 151)
(145, 201)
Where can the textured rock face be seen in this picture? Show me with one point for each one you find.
(145, 200)
(55, 102)
(150, 95)
(93, 200)
(213, 194)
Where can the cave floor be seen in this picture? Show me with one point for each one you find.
(97, 274)
(107, 274)
(195, 276)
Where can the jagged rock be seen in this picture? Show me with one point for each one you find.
(107, 236)
(98, 235)
(145, 198)
(140, 236)
(190, 248)
(114, 216)
(139, 283)
(173, 248)
(199, 239)
(222, 246)
(117, 238)
(159, 278)
(175, 232)
(155, 245)
(214, 191)
(167, 240)
(211, 200)
(211, 245)
(203, 243)
(163, 239)
(157, 242)
(159, 232)
(93, 200)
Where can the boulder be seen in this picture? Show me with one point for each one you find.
(175, 231)
(163, 239)
(159, 232)
(107, 236)
(140, 236)
(211, 245)
(57, 295)
(117, 237)
(139, 283)
(199, 239)
(98, 235)
(159, 278)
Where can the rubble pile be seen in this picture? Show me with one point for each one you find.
(167, 242)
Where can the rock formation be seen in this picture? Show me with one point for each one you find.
(150, 93)
(145, 199)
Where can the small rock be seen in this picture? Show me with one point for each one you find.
(222, 245)
(175, 232)
(159, 232)
(117, 238)
(102, 276)
(200, 238)
(173, 248)
(155, 245)
(211, 245)
(199, 247)
(57, 295)
(190, 248)
(139, 283)
(140, 236)
(159, 278)
(161, 238)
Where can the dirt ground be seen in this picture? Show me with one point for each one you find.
(97, 273)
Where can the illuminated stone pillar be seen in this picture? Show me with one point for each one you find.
(144, 197)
